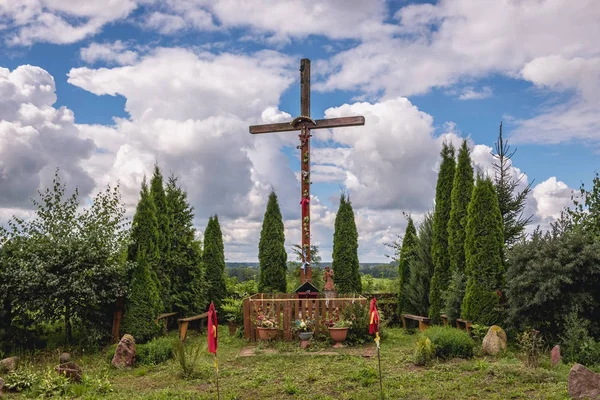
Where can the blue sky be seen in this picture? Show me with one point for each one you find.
(103, 90)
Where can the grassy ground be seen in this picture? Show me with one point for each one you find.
(292, 373)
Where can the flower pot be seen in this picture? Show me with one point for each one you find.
(305, 335)
(232, 328)
(267, 333)
(338, 335)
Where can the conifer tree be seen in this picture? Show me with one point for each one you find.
(345, 263)
(407, 252)
(420, 270)
(483, 252)
(143, 302)
(271, 250)
(439, 248)
(187, 279)
(213, 259)
(462, 189)
(144, 233)
(511, 202)
(164, 233)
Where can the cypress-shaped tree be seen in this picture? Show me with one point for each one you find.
(439, 248)
(144, 233)
(407, 252)
(187, 280)
(483, 252)
(213, 259)
(420, 270)
(143, 302)
(462, 190)
(345, 263)
(271, 250)
(164, 233)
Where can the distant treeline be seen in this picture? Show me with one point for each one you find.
(245, 271)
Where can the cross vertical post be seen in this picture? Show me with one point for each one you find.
(306, 272)
(305, 124)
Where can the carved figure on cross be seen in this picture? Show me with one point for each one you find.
(305, 124)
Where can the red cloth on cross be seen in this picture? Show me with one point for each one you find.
(304, 202)
(374, 317)
(212, 329)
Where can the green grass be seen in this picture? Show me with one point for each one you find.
(296, 375)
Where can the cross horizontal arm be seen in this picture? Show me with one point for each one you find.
(319, 124)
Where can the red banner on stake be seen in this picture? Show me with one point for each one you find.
(212, 329)
(374, 324)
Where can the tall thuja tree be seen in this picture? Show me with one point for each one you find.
(439, 247)
(184, 254)
(144, 301)
(462, 190)
(484, 245)
(213, 259)
(345, 250)
(144, 233)
(510, 200)
(271, 250)
(164, 233)
(420, 270)
(407, 252)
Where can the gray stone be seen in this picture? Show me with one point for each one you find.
(64, 358)
(494, 341)
(9, 364)
(583, 383)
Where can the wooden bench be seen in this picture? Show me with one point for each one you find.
(424, 322)
(463, 325)
(444, 319)
(184, 322)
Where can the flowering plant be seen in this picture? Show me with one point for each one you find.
(304, 325)
(265, 321)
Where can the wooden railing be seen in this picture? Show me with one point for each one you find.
(287, 308)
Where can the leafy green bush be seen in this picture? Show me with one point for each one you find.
(577, 345)
(21, 379)
(358, 333)
(479, 331)
(52, 384)
(155, 351)
(234, 310)
(425, 351)
(450, 342)
(110, 352)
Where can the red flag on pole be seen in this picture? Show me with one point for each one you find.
(374, 324)
(212, 329)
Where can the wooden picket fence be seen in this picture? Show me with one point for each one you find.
(287, 308)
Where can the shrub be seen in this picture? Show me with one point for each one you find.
(425, 351)
(358, 314)
(577, 345)
(156, 351)
(188, 357)
(21, 379)
(479, 331)
(531, 345)
(450, 342)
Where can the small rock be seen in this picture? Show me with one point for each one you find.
(9, 364)
(494, 341)
(71, 370)
(64, 358)
(555, 355)
(125, 352)
(583, 383)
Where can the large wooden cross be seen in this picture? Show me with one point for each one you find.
(305, 124)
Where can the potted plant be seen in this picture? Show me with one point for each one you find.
(339, 331)
(266, 326)
(305, 328)
(234, 313)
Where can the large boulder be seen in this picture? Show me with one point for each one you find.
(71, 370)
(494, 341)
(125, 352)
(9, 364)
(583, 383)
